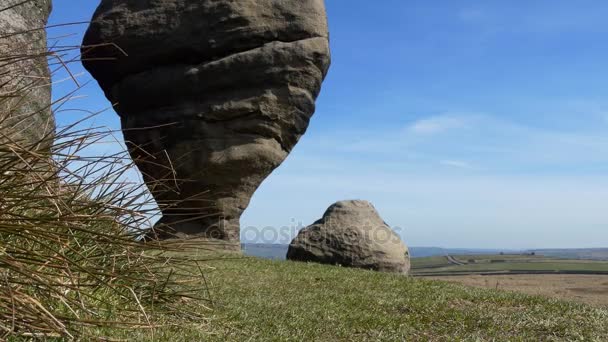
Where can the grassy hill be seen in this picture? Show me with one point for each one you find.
(261, 300)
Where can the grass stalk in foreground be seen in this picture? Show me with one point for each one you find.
(70, 261)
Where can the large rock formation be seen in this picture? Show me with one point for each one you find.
(212, 94)
(25, 91)
(351, 234)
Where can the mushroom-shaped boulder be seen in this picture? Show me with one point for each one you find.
(212, 94)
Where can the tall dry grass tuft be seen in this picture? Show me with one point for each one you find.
(70, 262)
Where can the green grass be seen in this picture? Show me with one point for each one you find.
(263, 300)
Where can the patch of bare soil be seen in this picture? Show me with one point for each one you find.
(589, 289)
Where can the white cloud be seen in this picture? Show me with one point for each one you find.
(457, 164)
(438, 124)
(501, 145)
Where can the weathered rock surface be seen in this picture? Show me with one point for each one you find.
(351, 234)
(229, 87)
(25, 91)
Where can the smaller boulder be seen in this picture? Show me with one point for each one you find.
(351, 234)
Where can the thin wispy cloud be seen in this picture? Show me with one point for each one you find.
(495, 141)
(457, 164)
(438, 124)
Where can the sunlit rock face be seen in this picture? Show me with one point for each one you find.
(352, 234)
(214, 93)
(25, 90)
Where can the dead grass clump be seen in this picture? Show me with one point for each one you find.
(70, 262)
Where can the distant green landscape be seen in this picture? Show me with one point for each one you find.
(462, 264)
(576, 253)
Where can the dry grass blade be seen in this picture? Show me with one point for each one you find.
(70, 260)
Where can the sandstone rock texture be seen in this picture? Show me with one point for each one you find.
(351, 234)
(25, 90)
(212, 94)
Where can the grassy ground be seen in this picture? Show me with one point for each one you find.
(275, 300)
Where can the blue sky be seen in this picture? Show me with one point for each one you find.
(466, 123)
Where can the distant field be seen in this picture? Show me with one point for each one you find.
(531, 274)
(585, 253)
(528, 266)
(588, 289)
(430, 262)
(460, 264)
(490, 257)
